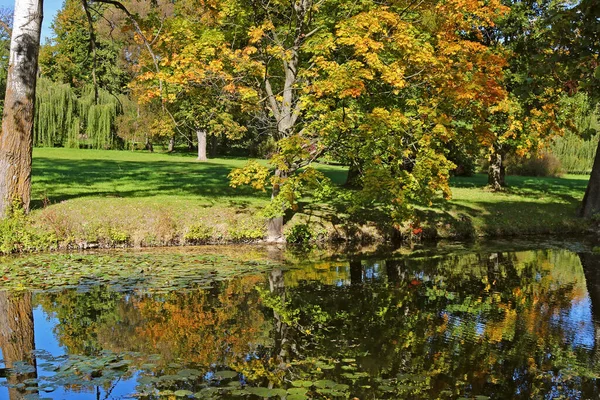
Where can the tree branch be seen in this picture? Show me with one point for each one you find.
(92, 48)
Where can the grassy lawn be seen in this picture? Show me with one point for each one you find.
(530, 205)
(153, 199)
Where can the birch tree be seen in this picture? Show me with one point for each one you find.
(16, 138)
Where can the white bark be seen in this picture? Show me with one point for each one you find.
(201, 133)
(16, 139)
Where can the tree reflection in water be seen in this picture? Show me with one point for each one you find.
(504, 325)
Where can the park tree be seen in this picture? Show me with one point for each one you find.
(16, 138)
(200, 80)
(374, 84)
(530, 116)
(582, 51)
(82, 51)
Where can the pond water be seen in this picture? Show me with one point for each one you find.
(416, 325)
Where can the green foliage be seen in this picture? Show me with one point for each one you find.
(198, 234)
(65, 119)
(57, 119)
(18, 234)
(299, 234)
(246, 231)
(98, 118)
(252, 174)
(576, 154)
(544, 164)
(576, 149)
(67, 59)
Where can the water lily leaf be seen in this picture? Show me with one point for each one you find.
(300, 383)
(341, 386)
(325, 384)
(226, 374)
(183, 393)
(296, 397)
(298, 391)
(189, 373)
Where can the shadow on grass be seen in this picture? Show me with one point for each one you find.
(513, 215)
(509, 217)
(59, 179)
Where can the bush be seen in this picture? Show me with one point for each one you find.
(545, 164)
(299, 234)
(198, 234)
(246, 231)
(17, 234)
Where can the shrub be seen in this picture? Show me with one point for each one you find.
(246, 231)
(546, 164)
(299, 234)
(117, 236)
(198, 234)
(17, 234)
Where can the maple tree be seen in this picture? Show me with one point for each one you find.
(199, 80)
(377, 85)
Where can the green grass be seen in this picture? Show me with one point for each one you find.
(529, 205)
(144, 198)
(141, 198)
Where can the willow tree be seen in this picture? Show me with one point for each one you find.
(16, 138)
(56, 115)
(98, 110)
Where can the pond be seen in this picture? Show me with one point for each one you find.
(502, 322)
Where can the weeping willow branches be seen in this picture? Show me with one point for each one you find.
(65, 119)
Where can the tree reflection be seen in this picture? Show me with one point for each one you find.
(453, 327)
(495, 324)
(17, 340)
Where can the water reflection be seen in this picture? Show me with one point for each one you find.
(503, 325)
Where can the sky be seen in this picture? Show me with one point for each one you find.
(50, 9)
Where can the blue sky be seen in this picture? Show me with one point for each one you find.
(50, 9)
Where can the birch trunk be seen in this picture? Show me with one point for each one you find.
(496, 172)
(201, 133)
(16, 138)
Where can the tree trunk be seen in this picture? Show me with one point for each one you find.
(275, 224)
(148, 145)
(201, 133)
(497, 171)
(356, 273)
(354, 173)
(17, 337)
(16, 138)
(591, 201)
(214, 144)
(171, 144)
(284, 348)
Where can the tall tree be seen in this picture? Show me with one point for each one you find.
(584, 34)
(16, 138)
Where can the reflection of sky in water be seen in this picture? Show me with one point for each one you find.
(372, 272)
(578, 319)
(44, 325)
(574, 322)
